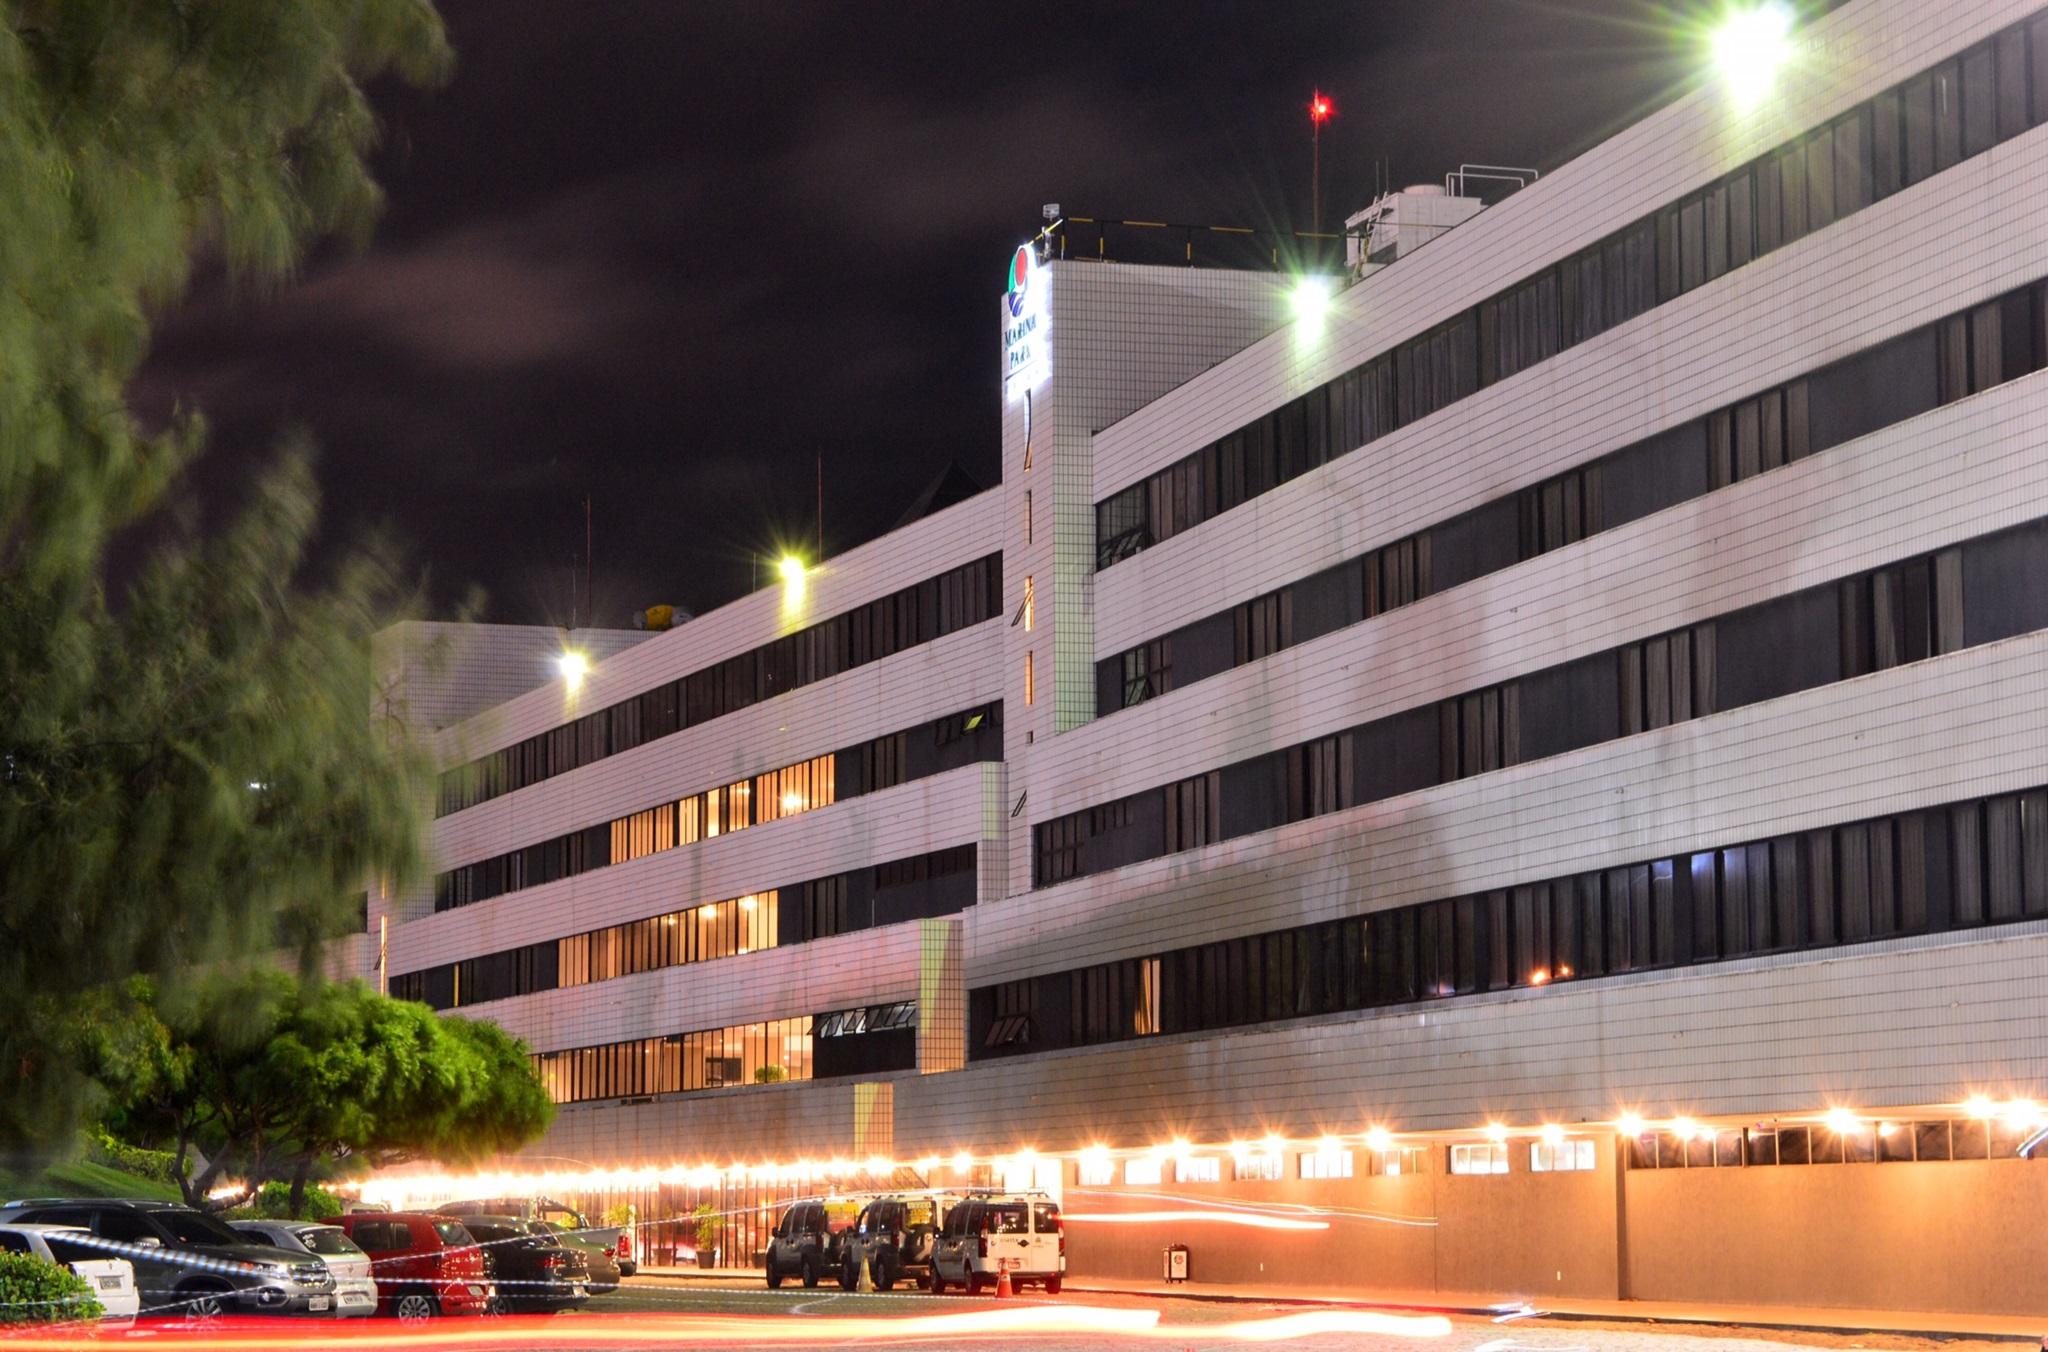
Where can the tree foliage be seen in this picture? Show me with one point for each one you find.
(267, 1077)
(36, 1291)
(188, 770)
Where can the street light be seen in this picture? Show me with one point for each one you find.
(1750, 47)
(574, 666)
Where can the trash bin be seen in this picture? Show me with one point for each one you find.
(1176, 1262)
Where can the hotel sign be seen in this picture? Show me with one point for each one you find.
(1027, 325)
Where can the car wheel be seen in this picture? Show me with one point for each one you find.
(933, 1282)
(973, 1283)
(415, 1307)
(1052, 1286)
(849, 1274)
(887, 1271)
(204, 1303)
(811, 1273)
(628, 1269)
(774, 1274)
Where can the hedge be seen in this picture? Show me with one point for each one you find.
(34, 1290)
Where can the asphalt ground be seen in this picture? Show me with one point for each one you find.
(673, 1316)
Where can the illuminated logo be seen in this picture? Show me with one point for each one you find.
(1027, 326)
(1021, 269)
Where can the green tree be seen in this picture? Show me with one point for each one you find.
(271, 1079)
(188, 770)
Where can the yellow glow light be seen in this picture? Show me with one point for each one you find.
(1378, 1138)
(792, 569)
(962, 1162)
(2022, 1113)
(1496, 1132)
(1841, 1121)
(1750, 47)
(927, 1165)
(1980, 1107)
(792, 801)
(1272, 1145)
(574, 666)
(1685, 1128)
(1552, 1134)
(877, 1165)
(1629, 1125)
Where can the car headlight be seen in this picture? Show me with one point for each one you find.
(276, 1272)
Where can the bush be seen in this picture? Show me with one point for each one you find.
(159, 1166)
(36, 1291)
(274, 1203)
(770, 1075)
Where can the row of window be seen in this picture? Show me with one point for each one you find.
(1900, 378)
(1960, 866)
(802, 1048)
(1974, 593)
(1147, 1171)
(880, 763)
(1861, 1143)
(938, 883)
(1958, 109)
(954, 600)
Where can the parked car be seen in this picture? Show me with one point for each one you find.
(424, 1265)
(894, 1237)
(806, 1241)
(616, 1240)
(604, 1269)
(530, 1271)
(112, 1278)
(187, 1262)
(355, 1288)
(1017, 1232)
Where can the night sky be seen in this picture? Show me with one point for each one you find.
(665, 252)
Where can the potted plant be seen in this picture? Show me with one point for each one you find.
(707, 1225)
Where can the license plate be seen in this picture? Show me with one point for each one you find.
(110, 1283)
(319, 1302)
(355, 1297)
(577, 1290)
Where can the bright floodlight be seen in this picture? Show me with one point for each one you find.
(574, 666)
(792, 568)
(1750, 47)
(1311, 302)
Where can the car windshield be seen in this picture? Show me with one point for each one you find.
(1007, 1218)
(492, 1234)
(453, 1232)
(329, 1239)
(191, 1227)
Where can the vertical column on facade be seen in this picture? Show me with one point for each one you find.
(874, 1120)
(941, 996)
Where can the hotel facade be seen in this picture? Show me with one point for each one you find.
(1538, 766)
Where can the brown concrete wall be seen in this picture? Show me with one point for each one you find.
(1380, 1234)
(1966, 1235)
(1529, 1234)
(1518, 1234)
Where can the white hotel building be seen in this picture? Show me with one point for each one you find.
(1548, 761)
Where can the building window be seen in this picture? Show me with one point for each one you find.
(1142, 1173)
(1260, 1168)
(1490, 1158)
(1027, 516)
(1556, 1157)
(1030, 603)
(1198, 1169)
(1030, 681)
(1094, 1173)
(1396, 1161)
(1326, 1164)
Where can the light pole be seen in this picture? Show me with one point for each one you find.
(1319, 110)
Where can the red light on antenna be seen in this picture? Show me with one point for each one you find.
(1320, 108)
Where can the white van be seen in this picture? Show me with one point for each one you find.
(991, 1233)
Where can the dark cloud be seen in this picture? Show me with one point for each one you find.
(664, 254)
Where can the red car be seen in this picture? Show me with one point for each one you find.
(424, 1265)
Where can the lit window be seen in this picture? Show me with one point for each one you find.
(1490, 1158)
(1097, 1173)
(1030, 603)
(1198, 1169)
(1030, 686)
(1326, 1164)
(1027, 516)
(1258, 1168)
(1558, 1157)
(1142, 1173)
(1397, 1160)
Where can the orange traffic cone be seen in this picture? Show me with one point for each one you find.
(1003, 1287)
